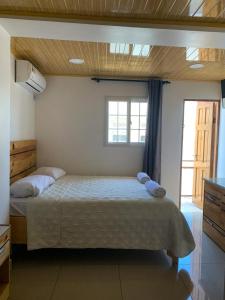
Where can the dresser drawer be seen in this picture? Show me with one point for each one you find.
(4, 252)
(212, 209)
(222, 215)
(214, 191)
(4, 237)
(212, 232)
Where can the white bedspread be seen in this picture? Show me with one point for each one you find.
(105, 212)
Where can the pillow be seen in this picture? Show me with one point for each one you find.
(50, 171)
(30, 186)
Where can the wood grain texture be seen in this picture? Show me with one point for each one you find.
(22, 158)
(22, 146)
(214, 213)
(212, 10)
(18, 229)
(52, 58)
(4, 261)
(22, 174)
(21, 162)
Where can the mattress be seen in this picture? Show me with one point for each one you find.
(105, 212)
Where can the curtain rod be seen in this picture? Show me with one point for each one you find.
(98, 79)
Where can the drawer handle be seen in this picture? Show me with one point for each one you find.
(212, 199)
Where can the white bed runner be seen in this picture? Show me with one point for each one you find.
(105, 212)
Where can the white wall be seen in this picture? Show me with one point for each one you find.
(4, 124)
(22, 110)
(71, 127)
(172, 116)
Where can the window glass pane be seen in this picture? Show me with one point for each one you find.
(122, 122)
(122, 136)
(119, 48)
(118, 117)
(112, 136)
(135, 108)
(113, 108)
(112, 122)
(122, 108)
(142, 136)
(134, 136)
(142, 122)
(143, 109)
(134, 122)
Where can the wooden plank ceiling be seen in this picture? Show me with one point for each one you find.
(102, 59)
(210, 10)
(51, 56)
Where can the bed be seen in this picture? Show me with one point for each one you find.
(96, 212)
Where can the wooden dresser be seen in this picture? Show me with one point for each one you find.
(4, 262)
(214, 210)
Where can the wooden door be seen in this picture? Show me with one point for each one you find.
(205, 146)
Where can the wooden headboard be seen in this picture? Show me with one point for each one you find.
(22, 158)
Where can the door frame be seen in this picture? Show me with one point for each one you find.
(182, 136)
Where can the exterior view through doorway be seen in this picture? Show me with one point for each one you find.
(199, 148)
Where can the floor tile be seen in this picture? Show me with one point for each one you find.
(88, 282)
(141, 257)
(208, 281)
(33, 281)
(206, 250)
(153, 283)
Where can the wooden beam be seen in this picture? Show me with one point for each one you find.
(186, 23)
(22, 146)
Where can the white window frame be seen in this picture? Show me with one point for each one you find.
(129, 99)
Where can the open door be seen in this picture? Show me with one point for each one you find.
(205, 155)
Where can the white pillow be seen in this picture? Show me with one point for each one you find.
(50, 171)
(30, 186)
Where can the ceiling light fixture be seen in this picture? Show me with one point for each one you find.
(196, 66)
(76, 61)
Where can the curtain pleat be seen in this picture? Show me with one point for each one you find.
(152, 152)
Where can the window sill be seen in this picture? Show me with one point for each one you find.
(141, 145)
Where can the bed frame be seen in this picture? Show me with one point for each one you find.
(22, 163)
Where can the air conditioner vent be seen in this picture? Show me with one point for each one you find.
(29, 77)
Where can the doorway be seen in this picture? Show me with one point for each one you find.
(199, 148)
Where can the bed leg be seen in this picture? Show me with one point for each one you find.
(173, 257)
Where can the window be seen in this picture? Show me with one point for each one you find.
(119, 48)
(126, 120)
(192, 54)
(139, 50)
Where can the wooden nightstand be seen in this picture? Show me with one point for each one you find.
(4, 261)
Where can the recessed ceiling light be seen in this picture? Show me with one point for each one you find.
(196, 66)
(76, 61)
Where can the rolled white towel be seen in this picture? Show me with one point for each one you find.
(155, 189)
(143, 177)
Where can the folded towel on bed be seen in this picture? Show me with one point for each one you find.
(155, 189)
(143, 177)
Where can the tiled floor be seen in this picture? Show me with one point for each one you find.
(121, 275)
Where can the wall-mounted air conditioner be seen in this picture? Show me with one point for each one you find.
(29, 77)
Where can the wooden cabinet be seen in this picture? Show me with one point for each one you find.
(214, 211)
(4, 262)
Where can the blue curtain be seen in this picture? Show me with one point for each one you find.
(152, 152)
